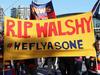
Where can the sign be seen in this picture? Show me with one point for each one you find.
(42, 11)
(67, 36)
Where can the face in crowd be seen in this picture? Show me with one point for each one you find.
(97, 45)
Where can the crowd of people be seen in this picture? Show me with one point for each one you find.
(66, 65)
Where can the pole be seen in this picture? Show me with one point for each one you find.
(97, 5)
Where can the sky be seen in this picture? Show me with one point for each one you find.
(60, 6)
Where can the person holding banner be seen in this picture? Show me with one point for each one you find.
(66, 65)
(94, 68)
(78, 65)
(71, 65)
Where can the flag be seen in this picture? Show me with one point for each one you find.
(42, 11)
(38, 11)
(95, 9)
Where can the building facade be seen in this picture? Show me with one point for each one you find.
(1, 13)
(20, 12)
(1, 19)
(96, 22)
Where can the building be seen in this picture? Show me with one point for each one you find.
(96, 17)
(1, 43)
(20, 12)
(96, 21)
(1, 19)
(1, 13)
(14, 12)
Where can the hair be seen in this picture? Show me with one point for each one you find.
(97, 39)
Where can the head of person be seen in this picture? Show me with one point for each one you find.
(48, 9)
(97, 44)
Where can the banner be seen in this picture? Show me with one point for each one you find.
(42, 11)
(67, 36)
